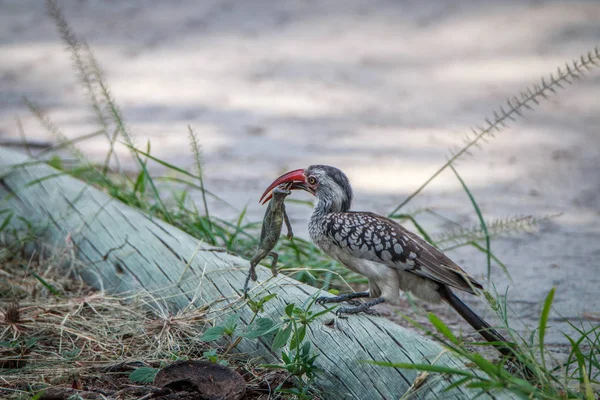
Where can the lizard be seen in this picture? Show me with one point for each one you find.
(275, 216)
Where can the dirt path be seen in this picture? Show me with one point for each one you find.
(379, 89)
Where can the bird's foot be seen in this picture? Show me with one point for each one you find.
(365, 308)
(344, 297)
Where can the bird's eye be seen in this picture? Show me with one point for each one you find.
(312, 180)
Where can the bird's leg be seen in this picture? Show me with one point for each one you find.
(274, 264)
(365, 307)
(343, 297)
(290, 234)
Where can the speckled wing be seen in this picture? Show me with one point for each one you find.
(370, 236)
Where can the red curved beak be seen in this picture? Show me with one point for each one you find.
(296, 178)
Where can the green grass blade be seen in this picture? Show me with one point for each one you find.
(194, 186)
(544, 324)
(481, 221)
(493, 256)
(7, 219)
(140, 183)
(458, 383)
(238, 228)
(442, 328)
(583, 374)
(425, 367)
(159, 161)
(48, 286)
(71, 142)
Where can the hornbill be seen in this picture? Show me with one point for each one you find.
(390, 256)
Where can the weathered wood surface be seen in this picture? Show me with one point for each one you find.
(127, 251)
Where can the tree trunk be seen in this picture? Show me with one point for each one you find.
(125, 250)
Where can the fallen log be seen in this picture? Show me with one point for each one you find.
(128, 251)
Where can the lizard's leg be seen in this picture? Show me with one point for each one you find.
(275, 256)
(252, 271)
(246, 285)
(290, 234)
(260, 254)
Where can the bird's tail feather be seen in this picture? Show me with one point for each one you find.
(478, 323)
(484, 329)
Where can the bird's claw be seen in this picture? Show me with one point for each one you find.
(372, 312)
(347, 310)
(334, 299)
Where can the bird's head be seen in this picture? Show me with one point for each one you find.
(328, 184)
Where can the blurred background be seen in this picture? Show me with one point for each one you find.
(379, 89)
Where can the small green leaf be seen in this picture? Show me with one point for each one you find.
(29, 343)
(306, 347)
(55, 162)
(213, 333)
(268, 297)
(260, 327)
(317, 315)
(143, 375)
(289, 309)
(282, 337)
(231, 324)
(211, 355)
(38, 395)
(298, 337)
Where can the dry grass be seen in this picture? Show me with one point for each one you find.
(55, 331)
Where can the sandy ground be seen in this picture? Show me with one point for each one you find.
(380, 89)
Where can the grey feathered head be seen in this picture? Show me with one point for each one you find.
(332, 186)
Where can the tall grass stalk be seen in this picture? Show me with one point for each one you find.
(488, 250)
(198, 159)
(526, 100)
